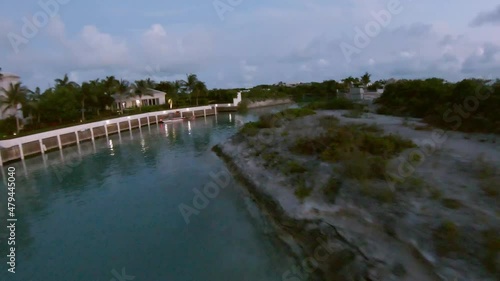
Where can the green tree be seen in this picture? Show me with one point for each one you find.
(199, 89)
(32, 105)
(365, 79)
(141, 88)
(86, 93)
(123, 92)
(66, 83)
(13, 98)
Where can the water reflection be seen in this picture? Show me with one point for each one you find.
(91, 203)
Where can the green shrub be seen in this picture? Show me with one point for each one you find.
(383, 194)
(268, 121)
(331, 189)
(491, 186)
(295, 168)
(451, 203)
(354, 113)
(8, 126)
(337, 103)
(447, 238)
(293, 113)
(250, 129)
(243, 106)
(492, 246)
(302, 191)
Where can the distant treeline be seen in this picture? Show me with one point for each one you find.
(471, 105)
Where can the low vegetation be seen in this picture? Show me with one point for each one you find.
(447, 238)
(439, 102)
(362, 150)
(451, 203)
(336, 103)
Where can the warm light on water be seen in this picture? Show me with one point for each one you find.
(89, 211)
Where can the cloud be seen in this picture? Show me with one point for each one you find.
(484, 62)
(258, 43)
(491, 17)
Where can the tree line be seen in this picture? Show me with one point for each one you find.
(68, 102)
(468, 105)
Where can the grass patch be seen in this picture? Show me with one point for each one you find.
(293, 113)
(302, 191)
(272, 159)
(451, 203)
(363, 150)
(274, 120)
(293, 167)
(447, 238)
(337, 103)
(382, 194)
(354, 113)
(492, 246)
(491, 186)
(250, 129)
(331, 189)
(328, 121)
(243, 106)
(484, 169)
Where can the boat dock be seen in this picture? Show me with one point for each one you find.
(19, 148)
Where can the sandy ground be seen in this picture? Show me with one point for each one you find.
(399, 234)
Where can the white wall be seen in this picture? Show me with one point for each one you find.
(132, 101)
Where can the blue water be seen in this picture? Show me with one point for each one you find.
(97, 211)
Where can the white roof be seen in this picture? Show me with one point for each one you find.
(9, 75)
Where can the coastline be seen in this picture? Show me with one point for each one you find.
(369, 240)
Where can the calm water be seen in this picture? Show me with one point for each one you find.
(91, 212)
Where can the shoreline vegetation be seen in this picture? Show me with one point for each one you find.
(333, 180)
(469, 105)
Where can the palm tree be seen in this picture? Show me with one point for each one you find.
(365, 79)
(33, 104)
(190, 82)
(87, 92)
(123, 91)
(66, 83)
(151, 83)
(199, 88)
(141, 88)
(13, 97)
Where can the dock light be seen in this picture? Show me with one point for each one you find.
(187, 109)
(215, 105)
(107, 121)
(128, 117)
(164, 112)
(228, 104)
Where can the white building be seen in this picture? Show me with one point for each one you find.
(5, 81)
(156, 98)
(359, 94)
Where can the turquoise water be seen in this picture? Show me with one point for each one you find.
(96, 212)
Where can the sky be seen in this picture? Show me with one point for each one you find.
(242, 43)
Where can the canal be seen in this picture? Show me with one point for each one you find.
(110, 211)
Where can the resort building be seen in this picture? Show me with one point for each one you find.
(6, 79)
(155, 98)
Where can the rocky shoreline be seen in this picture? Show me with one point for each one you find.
(405, 233)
